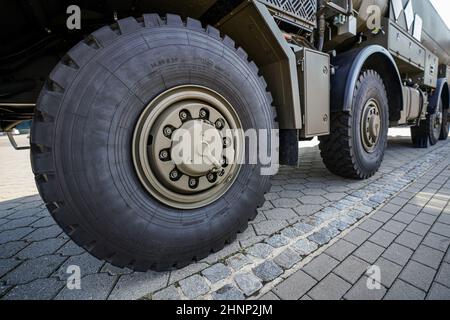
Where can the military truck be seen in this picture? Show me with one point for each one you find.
(109, 85)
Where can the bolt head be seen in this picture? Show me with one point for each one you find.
(203, 113)
(219, 124)
(164, 154)
(174, 174)
(192, 183)
(167, 131)
(183, 115)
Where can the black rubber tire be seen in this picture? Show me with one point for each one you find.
(420, 134)
(342, 151)
(83, 128)
(434, 137)
(445, 125)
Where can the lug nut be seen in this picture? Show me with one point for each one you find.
(220, 124)
(226, 142)
(174, 175)
(164, 155)
(203, 113)
(168, 131)
(183, 115)
(211, 177)
(193, 183)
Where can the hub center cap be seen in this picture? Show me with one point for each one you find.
(197, 148)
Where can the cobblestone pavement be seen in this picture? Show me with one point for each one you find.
(314, 238)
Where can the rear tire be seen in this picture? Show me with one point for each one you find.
(358, 139)
(83, 131)
(445, 125)
(435, 124)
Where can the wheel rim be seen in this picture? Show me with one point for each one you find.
(371, 125)
(187, 147)
(436, 121)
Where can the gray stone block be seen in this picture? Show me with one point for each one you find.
(331, 288)
(248, 283)
(351, 269)
(267, 271)
(216, 273)
(320, 266)
(294, 287)
(169, 293)
(93, 287)
(403, 291)
(287, 259)
(418, 275)
(138, 284)
(228, 292)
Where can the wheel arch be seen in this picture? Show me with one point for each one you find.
(348, 67)
(442, 91)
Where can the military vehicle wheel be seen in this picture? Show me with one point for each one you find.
(104, 142)
(445, 125)
(436, 123)
(358, 139)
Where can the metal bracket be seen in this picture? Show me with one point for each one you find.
(14, 143)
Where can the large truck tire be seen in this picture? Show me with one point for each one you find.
(358, 139)
(103, 132)
(430, 130)
(445, 125)
(436, 121)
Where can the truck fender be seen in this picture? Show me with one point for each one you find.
(442, 90)
(347, 68)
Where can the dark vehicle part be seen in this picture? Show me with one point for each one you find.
(102, 90)
(355, 148)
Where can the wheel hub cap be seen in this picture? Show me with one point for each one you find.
(371, 125)
(186, 149)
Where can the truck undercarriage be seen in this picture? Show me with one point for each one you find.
(113, 87)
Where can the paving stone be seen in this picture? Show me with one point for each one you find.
(304, 227)
(304, 247)
(267, 228)
(320, 266)
(269, 296)
(418, 228)
(138, 284)
(114, 271)
(287, 259)
(267, 271)
(320, 237)
(382, 216)
(391, 208)
(217, 272)
(409, 240)
(14, 235)
(425, 218)
(331, 288)
(398, 254)
(194, 286)
(339, 225)
(389, 271)
(334, 196)
(44, 233)
(277, 241)
(308, 209)
(39, 289)
(41, 248)
(228, 292)
(18, 223)
(6, 265)
(443, 276)
(438, 292)
(169, 293)
(441, 229)
(418, 275)
(248, 283)
(87, 263)
(396, 227)
(403, 291)
(283, 203)
(369, 252)
(341, 250)
(437, 241)
(238, 261)
(370, 225)
(294, 287)
(93, 287)
(70, 249)
(360, 291)
(260, 250)
(403, 217)
(357, 236)
(351, 269)
(312, 200)
(412, 209)
(382, 238)
(10, 249)
(428, 256)
(43, 222)
(33, 269)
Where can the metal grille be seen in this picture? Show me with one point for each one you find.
(304, 10)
